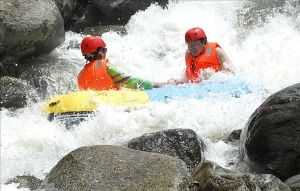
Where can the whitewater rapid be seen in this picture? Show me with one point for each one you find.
(268, 56)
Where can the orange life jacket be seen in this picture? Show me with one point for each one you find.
(206, 59)
(94, 76)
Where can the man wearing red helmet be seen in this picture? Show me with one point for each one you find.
(98, 75)
(201, 55)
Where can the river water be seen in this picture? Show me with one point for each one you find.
(153, 49)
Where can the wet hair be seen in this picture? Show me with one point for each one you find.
(92, 56)
(203, 40)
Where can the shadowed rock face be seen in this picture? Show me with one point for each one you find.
(66, 8)
(234, 136)
(271, 140)
(27, 28)
(106, 12)
(115, 168)
(210, 176)
(180, 143)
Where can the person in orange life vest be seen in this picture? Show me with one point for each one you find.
(98, 75)
(201, 55)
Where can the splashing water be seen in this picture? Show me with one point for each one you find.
(154, 49)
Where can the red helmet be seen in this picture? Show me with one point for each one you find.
(90, 44)
(194, 34)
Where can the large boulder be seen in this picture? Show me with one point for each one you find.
(210, 176)
(180, 143)
(106, 12)
(121, 11)
(114, 168)
(271, 140)
(28, 27)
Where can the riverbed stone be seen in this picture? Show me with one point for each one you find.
(103, 167)
(270, 142)
(210, 176)
(180, 143)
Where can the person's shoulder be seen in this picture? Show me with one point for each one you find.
(187, 52)
(215, 44)
(219, 51)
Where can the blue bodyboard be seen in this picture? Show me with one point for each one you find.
(232, 86)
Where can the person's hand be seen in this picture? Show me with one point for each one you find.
(159, 84)
(173, 81)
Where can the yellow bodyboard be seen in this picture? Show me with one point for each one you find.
(91, 100)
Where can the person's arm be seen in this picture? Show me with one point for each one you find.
(223, 60)
(128, 81)
(183, 79)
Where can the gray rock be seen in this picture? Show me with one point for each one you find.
(180, 143)
(12, 93)
(121, 11)
(44, 73)
(66, 8)
(107, 12)
(212, 177)
(27, 28)
(115, 168)
(270, 143)
(86, 15)
(294, 182)
(26, 181)
(234, 136)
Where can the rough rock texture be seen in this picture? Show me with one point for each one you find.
(234, 136)
(12, 93)
(180, 143)
(121, 11)
(106, 12)
(26, 181)
(210, 176)
(294, 182)
(271, 140)
(27, 27)
(115, 168)
(47, 77)
(67, 8)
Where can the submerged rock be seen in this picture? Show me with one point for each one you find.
(180, 143)
(271, 140)
(210, 176)
(26, 181)
(115, 168)
(234, 136)
(12, 93)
